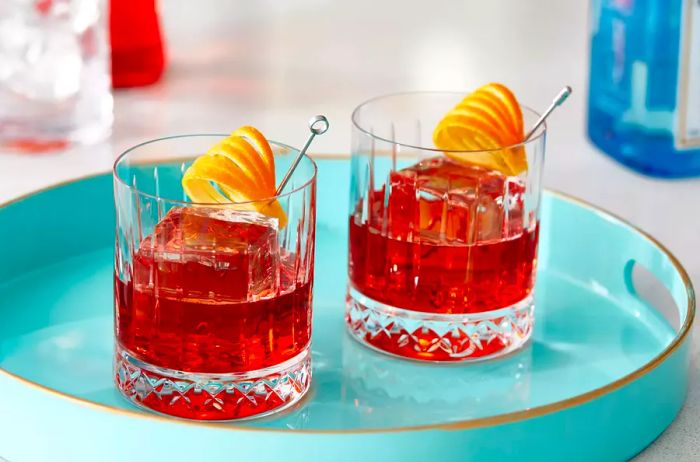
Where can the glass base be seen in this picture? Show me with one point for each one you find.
(36, 138)
(439, 337)
(198, 396)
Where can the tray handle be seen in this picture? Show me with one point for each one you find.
(657, 278)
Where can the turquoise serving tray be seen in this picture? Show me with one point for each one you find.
(605, 373)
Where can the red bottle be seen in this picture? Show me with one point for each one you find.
(137, 46)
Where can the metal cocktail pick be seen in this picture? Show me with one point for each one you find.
(558, 101)
(318, 126)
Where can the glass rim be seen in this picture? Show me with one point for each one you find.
(539, 134)
(122, 157)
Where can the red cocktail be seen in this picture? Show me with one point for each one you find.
(188, 311)
(421, 249)
(213, 302)
(443, 239)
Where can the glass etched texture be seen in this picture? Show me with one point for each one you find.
(212, 301)
(443, 252)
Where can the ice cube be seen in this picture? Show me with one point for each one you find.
(514, 203)
(40, 62)
(84, 14)
(46, 46)
(455, 202)
(220, 254)
(401, 213)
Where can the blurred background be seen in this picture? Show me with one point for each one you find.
(213, 65)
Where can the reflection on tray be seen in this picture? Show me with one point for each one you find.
(367, 389)
(390, 392)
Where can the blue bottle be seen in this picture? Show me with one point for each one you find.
(644, 94)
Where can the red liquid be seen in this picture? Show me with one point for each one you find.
(443, 242)
(191, 312)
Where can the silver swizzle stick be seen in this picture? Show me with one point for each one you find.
(318, 126)
(558, 101)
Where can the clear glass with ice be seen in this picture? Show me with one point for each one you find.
(442, 251)
(212, 301)
(55, 86)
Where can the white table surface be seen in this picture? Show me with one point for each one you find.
(274, 63)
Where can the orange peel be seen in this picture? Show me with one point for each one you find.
(484, 129)
(238, 170)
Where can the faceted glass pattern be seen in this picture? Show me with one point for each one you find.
(442, 253)
(212, 302)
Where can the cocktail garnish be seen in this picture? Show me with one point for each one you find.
(489, 123)
(239, 169)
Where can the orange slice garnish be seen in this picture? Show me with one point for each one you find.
(487, 122)
(239, 169)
